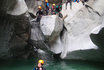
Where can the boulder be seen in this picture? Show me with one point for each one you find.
(51, 27)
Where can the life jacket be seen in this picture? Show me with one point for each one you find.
(47, 4)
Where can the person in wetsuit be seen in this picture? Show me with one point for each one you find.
(39, 14)
(40, 65)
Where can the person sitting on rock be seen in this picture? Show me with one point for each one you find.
(39, 13)
(57, 9)
(53, 9)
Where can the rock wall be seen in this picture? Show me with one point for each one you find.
(14, 29)
(45, 34)
(78, 41)
(33, 5)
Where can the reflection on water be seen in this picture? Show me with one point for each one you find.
(51, 65)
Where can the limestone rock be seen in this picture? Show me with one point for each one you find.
(18, 8)
(51, 27)
(80, 40)
(33, 5)
(14, 29)
(37, 37)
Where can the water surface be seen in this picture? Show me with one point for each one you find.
(51, 65)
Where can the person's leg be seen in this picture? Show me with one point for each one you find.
(37, 20)
(83, 2)
(70, 4)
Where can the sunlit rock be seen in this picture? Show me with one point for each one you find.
(82, 21)
(51, 27)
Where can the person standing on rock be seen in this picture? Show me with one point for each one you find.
(69, 1)
(53, 9)
(77, 1)
(47, 8)
(39, 14)
(40, 65)
(57, 9)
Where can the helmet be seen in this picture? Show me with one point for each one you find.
(41, 61)
(46, 0)
(53, 4)
(39, 7)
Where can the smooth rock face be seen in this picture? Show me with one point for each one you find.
(51, 27)
(37, 37)
(83, 20)
(45, 34)
(18, 8)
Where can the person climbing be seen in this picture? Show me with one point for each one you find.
(40, 65)
(69, 1)
(39, 14)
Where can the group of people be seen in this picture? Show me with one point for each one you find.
(53, 9)
(48, 9)
(70, 1)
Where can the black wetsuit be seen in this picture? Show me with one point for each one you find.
(39, 14)
(37, 68)
(57, 10)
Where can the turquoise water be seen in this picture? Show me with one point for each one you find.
(51, 65)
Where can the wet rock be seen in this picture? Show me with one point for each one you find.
(37, 37)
